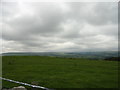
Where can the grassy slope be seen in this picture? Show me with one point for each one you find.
(54, 72)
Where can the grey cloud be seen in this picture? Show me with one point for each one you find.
(95, 13)
(36, 24)
(60, 26)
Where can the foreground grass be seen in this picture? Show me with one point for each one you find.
(55, 72)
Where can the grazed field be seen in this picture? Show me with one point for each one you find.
(55, 72)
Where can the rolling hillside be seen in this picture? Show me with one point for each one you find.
(54, 72)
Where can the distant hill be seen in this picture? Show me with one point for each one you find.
(89, 55)
(112, 59)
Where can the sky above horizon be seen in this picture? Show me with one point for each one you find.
(59, 27)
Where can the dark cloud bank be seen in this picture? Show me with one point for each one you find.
(59, 27)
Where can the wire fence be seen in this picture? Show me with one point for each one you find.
(26, 84)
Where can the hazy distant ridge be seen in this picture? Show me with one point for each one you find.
(90, 55)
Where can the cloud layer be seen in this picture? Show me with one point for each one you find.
(59, 27)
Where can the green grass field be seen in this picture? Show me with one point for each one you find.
(55, 72)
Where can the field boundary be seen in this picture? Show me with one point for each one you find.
(26, 84)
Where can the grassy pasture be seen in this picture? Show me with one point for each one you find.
(55, 72)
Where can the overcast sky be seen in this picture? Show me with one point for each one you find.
(59, 27)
